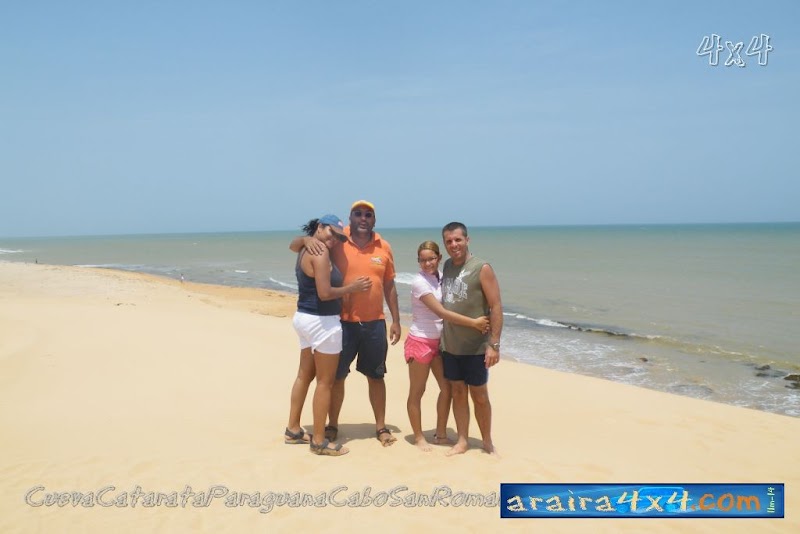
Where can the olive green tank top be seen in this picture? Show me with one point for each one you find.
(462, 293)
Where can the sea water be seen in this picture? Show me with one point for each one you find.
(709, 311)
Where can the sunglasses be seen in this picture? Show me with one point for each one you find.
(359, 213)
(340, 237)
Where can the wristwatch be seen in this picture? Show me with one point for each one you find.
(495, 346)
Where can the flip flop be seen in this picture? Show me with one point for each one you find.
(323, 450)
(385, 442)
(295, 438)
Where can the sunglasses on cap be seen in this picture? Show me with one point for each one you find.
(365, 213)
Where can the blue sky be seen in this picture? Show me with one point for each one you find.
(148, 117)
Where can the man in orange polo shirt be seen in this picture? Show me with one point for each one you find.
(363, 320)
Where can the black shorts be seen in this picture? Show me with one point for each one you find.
(470, 369)
(368, 341)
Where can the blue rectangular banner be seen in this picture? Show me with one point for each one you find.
(724, 500)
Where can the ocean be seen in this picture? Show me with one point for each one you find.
(707, 311)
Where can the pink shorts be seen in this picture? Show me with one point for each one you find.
(421, 349)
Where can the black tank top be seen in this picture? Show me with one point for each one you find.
(308, 300)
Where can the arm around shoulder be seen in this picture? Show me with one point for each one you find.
(297, 243)
(313, 245)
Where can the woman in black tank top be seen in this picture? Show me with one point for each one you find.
(319, 330)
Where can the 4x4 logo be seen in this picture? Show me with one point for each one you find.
(711, 47)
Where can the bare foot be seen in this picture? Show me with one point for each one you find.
(422, 444)
(490, 449)
(459, 448)
(442, 440)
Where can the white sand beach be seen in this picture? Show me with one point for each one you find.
(113, 381)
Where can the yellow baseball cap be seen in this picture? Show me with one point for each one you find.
(366, 203)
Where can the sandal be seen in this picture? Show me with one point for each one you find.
(296, 438)
(323, 450)
(331, 433)
(388, 441)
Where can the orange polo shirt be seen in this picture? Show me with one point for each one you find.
(376, 261)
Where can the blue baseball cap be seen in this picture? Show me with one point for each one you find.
(336, 225)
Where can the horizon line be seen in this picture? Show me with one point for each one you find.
(407, 228)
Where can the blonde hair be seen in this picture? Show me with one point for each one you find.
(429, 245)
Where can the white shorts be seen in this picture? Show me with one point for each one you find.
(323, 333)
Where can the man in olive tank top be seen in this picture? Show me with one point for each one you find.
(469, 287)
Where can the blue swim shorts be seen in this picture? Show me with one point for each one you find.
(470, 369)
(366, 340)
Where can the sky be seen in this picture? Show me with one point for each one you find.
(195, 116)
